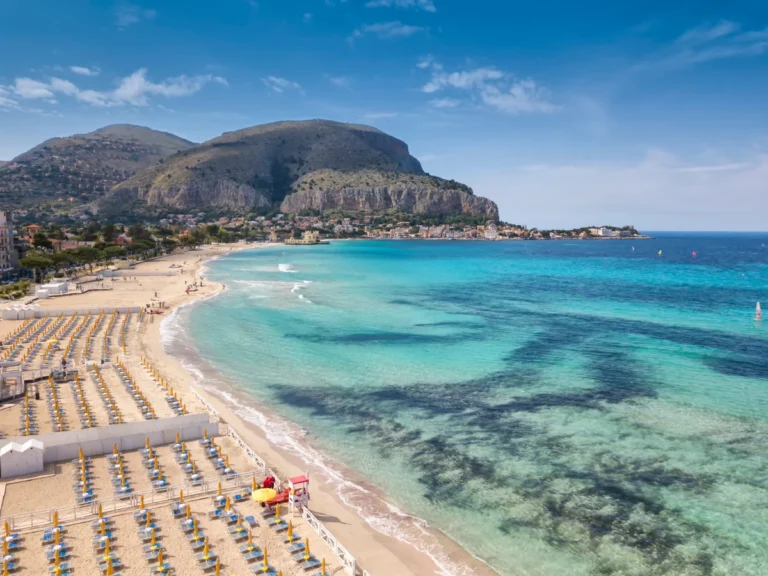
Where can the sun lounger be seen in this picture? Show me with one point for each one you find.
(162, 570)
(251, 553)
(51, 556)
(115, 565)
(278, 525)
(141, 515)
(192, 539)
(293, 538)
(216, 514)
(206, 559)
(309, 564)
(260, 570)
(251, 521)
(296, 548)
(64, 569)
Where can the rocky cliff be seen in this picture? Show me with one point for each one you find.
(315, 164)
(370, 191)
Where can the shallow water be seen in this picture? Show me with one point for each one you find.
(555, 407)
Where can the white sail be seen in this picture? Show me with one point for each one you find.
(758, 312)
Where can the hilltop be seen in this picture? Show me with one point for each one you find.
(297, 167)
(62, 173)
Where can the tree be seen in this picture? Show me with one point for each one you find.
(40, 240)
(114, 251)
(36, 263)
(87, 255)
(109, 233)
(138, 232)
(168, 244)
(212, 230)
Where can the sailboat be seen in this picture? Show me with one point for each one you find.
(758, 312)
(659, 252)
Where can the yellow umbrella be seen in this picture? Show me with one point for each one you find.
(277, 512)
(160, 557)
(227, 505)
(114, 449)
(322, 568)
(218, 491)
(141, 501)
(110, 570)
(5, 569)
(101, 513)
(181, 496)
(103, 530)
(250, 539)
(290, 536)
(178, 438)
(56, 538)
(7, 529)
(263, 494)
(149, 518)
(5, 548)
(154, 538)
(254, 486)
(106, 549)
(266, 562)
(189, 511)
(306, 549)
(226, 461)
(55, 518)
(218, 567)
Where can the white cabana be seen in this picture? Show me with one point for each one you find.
(20, 459)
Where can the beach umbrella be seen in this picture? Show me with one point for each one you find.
(194, 527)
(141, 501)
(149, 519)
(277, 512)
(154, 538)
(5, 568)
(7, 529)
(189, 511)
(114, 449)
(254, 486)
(103, 530)
(160, 557)
(181, 496)
(146, 444)
(227, 505)
(101, 512)
(5, 547)
(55, 518)
(205, 434)
(322, 568)
(110, 570)
(250, 539)
(290, 537)
(218, 491)
(265, 565)
(263, 495)
(306, 549)
(178, 438)
(218, 567)
(106, 550)
(226, 461)
(206, 549)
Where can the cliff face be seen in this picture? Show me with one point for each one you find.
(315, 164)
(402, 197)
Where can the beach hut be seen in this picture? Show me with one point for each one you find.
(20, 459)
(299, 491)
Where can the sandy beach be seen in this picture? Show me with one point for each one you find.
(379, 551)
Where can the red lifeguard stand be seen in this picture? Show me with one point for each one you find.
(298, 494)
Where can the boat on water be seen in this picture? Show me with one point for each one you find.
(758, 312)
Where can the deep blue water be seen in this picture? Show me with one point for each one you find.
(558, 407)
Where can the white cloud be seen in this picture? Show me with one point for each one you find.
(445, 102)
(657, 192)
(379, 115)
(83, 71)
(523, 97)
(307, 18)
(707, 33)
(716, 167)
(462, 80)
(281, 84)
(127, 14)
(425, 62)
(32, 89)
(492, 87)
(340, 81)
(426, 5)
(709, 42)
(5, 101)
(134, 89)
(387, 30)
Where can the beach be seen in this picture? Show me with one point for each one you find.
(375, 551)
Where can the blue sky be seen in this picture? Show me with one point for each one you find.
(564, 113)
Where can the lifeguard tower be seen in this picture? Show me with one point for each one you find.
(11, 380)
(298, 494)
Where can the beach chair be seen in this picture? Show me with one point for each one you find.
(309, 563)
(116, 564)
(296, 548)
(61, 553)
(252, 555)
(216, 514)
(251, 521)
(162, 570)
(194, 540)
(238, 533)
(63, 569)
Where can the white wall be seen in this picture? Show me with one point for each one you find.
(19, 463)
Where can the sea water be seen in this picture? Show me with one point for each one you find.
(560, 407)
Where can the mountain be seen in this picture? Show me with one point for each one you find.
(305, 165)
(70, 171)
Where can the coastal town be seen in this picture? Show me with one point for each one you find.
(22, 235)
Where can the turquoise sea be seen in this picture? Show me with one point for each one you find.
(557, 408)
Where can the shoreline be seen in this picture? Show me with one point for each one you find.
(351, 520)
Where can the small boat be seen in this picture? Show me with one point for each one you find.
(758, 312)
(659, 252)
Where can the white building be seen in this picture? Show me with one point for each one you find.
(491, 232)
(21, 459)
(9, 257)
(605, 232)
